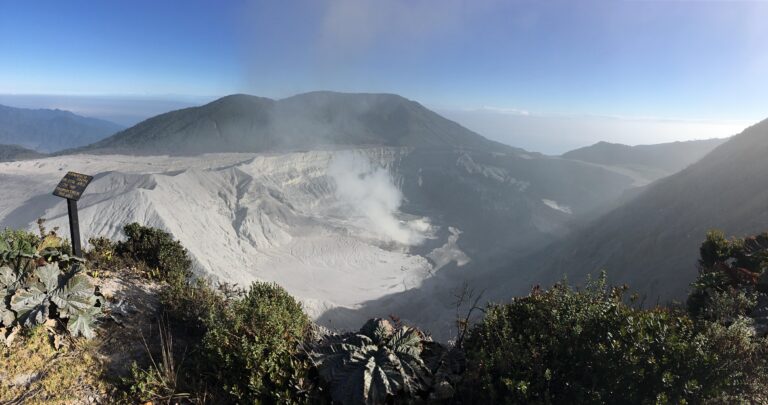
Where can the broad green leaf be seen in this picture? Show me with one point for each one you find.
(7, 317)
(7, 281)
(7, 276)
(49, 276)
(374, 365)
(27, 294)
(406, 340)
(30, 305)
(77, 296)
(83, 323)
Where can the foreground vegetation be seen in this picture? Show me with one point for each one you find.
(211, 343)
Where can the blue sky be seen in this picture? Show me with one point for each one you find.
(663, 61)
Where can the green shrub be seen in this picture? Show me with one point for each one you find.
(102, 255)
(726, 301)
(12, 236)
(192, 303)
(166, 259)
(723, 306)
(740, 362)
(728, 284)
(252, 343)
(568, 346)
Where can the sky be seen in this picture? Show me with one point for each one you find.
(544, 75)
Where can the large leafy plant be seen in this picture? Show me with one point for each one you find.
(38, 283)
(377, 364)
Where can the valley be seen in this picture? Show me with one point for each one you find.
(373, 220)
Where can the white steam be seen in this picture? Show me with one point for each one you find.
(370, 192)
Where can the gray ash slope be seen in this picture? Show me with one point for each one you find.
(652, 241)
(47, 131)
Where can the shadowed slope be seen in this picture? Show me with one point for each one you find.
(652, 241)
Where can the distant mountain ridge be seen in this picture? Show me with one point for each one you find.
(16, 152)
(244, 123)
(649, 162)
(45, 130)
(652, 241)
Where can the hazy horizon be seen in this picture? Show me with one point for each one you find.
(551, 134)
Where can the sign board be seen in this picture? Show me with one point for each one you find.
(72, 186)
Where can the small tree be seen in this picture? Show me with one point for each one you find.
(252, 345)
(731, 277)
(569, 346)
(166, 259)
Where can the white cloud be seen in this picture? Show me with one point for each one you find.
(504, 110)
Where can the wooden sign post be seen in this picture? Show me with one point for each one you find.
(72, 187)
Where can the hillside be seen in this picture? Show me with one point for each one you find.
(647, 162)
(364, 195)
(15, 152)
(243, 123)
(50, 130)
(651, 242)
(337, 228)
(89, 334)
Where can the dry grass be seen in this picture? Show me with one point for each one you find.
(32, 371)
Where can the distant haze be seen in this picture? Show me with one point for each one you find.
(124, 110)
(556, 134)
(546, 133)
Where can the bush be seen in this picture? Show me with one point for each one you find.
(12, 236)
(178, 368)
(192, 303)
(102, 255)
(741, 361)
(165, 258)
(731, 277)
(568, 346)
(729, 302)
(252, 344)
